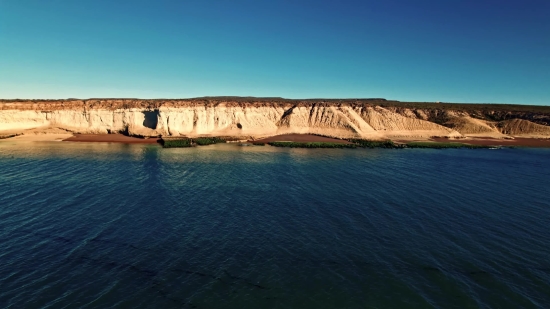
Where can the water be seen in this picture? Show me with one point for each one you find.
(132, 226)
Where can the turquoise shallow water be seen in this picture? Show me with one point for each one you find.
(132, 226)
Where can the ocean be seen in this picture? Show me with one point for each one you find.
(98, 225)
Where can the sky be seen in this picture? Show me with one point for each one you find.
(424, 50)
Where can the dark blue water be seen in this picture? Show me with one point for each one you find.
(130, 226)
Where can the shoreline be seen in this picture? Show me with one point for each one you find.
(489, 141)
(300, 138)
(111, 138)
(294, 138)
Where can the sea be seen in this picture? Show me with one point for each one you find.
(104, 225)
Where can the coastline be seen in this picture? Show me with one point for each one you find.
(111, 138)
(47, 137)
(497, 142)
(295, 138)
(301, 138)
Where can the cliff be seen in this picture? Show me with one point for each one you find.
(259, 117)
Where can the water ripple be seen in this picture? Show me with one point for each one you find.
(106, 225)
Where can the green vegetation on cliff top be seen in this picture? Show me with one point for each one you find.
(367, 101)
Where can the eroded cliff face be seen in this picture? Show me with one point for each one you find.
(257, 119)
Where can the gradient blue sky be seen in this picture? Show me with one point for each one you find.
(422, 50)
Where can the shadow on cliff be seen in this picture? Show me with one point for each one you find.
(151, 119)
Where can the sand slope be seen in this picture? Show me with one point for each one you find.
(524, 128)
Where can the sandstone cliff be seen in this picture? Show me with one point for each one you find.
(371, 119)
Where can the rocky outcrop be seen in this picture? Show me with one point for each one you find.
(258, 118)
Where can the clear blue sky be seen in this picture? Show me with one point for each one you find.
(422, 50)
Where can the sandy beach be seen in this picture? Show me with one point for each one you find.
(37, 138)
(110, 138)
(305, 138)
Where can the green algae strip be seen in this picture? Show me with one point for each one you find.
(176, 143)
(355, 143)
(203, 141)
(190, 142)
(365, 143)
